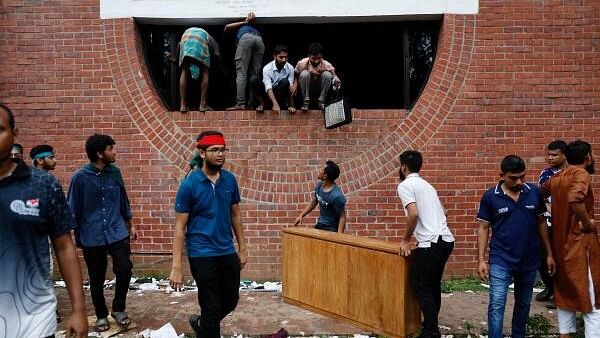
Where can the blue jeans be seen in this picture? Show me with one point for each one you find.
(500, 278)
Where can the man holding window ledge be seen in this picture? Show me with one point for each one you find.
(195, 52)
(515, 212)
(207, 215)
(248, 62)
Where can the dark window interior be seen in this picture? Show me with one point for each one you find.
(383, 65)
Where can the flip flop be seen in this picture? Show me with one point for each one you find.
(121, 318)
(102, 325)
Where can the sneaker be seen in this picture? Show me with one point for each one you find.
(544, 295)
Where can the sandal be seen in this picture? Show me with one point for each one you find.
(101, 324)
(121, 318)
(291, 109)
(238, 106)
(304, 107)
(321, 106)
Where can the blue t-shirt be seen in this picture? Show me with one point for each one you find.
(33, 208)
(246, 28)
(331, 206)
(209, 228)
(515, 238)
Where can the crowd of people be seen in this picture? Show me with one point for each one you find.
(555, 215)
(314, 76)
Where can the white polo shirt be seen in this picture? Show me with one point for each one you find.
(431, 222)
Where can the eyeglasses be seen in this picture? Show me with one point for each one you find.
(217, 150)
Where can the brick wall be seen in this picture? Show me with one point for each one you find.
(508, 80)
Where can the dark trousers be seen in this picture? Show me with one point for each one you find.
(96, 261)
(546, 278)
(218, 281)
(281, 90)
(426, 277)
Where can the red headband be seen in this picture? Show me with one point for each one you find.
(211, 140)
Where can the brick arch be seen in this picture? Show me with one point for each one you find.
(362, 165)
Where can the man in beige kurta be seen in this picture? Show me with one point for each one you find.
(575, 242)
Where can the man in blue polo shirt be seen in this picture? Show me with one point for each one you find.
(207, 215)
(515, 212)
(33, 208)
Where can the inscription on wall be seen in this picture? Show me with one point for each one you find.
(226, 9)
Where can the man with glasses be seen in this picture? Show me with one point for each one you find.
(207, 214)
(515, 212)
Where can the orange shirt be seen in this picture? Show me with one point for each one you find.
(574, 251)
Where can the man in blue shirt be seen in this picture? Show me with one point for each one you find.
(557, 160)
(207, 214)
(33, 208)
(515, 212)
(331, 201)
(100, 204)
(278, 78)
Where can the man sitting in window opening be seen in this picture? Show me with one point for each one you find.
(316, 74)
(194, 53)
(278, 78)
(248, 62)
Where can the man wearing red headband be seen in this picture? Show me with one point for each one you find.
(207, 210)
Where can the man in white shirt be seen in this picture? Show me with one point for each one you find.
(426, 218)
(278, 78)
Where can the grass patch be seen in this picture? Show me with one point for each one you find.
(462, 284)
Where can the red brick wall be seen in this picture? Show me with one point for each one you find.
(507, 80)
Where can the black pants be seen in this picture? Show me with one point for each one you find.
(281, 90)
(218, 281)
(426, 277)
(546, 278)
(96, 261)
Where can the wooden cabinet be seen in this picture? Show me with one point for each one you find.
(360, 280)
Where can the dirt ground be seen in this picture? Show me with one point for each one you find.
(260, 313)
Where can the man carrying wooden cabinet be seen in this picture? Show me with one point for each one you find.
(426, 218)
